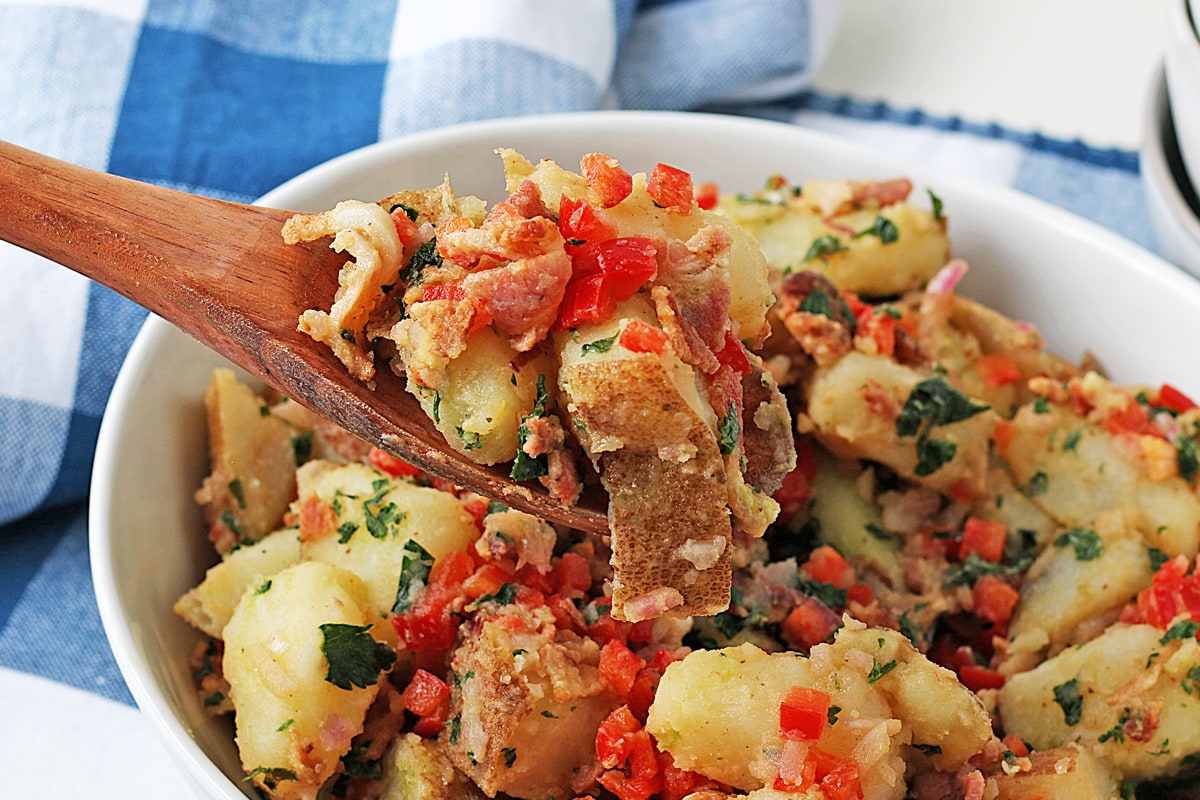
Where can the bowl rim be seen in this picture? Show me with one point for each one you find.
(150, 697)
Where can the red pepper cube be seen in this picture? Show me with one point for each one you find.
(810, 622)
(671, 188)
(643, 338)
(825, 564)
(984, 537)
(386, 462)
(1172, 398)
(585, 300)
(708, 195)
(425, 694)
(627, 262)
(581, 224)
(994, 599)
(605, 179)
(803, 714)
(619, 666)
(997, 370)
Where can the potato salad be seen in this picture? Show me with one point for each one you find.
(870, 538)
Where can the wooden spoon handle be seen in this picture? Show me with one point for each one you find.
(221, 272)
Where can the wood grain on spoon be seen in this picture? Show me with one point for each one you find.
(221, 272)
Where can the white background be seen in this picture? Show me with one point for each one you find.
(1065, 68)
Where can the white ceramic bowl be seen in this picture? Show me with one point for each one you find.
(1182, 62)
(1170, 198)
(1088, 289)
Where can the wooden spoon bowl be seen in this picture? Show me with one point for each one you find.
(221, 272)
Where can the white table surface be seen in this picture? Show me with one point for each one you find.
(1065, 68)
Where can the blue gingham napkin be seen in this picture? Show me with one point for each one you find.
(228, 98)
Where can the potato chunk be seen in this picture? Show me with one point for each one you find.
(787, 228)
(293, 723)
(418, 769)
(483, 397)
(253, 460)
(1068, 585)
(1069, 772)
(1081, 471)
(362, 520)
(855, 405)
(717, 711)
(525, 706)
(1129, 695)
(209, 605)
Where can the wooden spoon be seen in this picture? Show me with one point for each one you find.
(221, 272)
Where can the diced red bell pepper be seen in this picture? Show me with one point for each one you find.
(605, 179)
(641, 694)
(994, 599)
(810, 622)
(841, 780)
(586, 299)
(977, 678)
(614, 737)
(997, 370)
(733, 355)
(430, 625)
(571, 575)
(627, 262)
(803, 714)
(1172, 398)
(641, 337)
(425, 693)
(619, 666)
(880, 328)
(984, 537)
(670, 187)
(1131, 418)
(1171, 594)
(485, 580)
(707, 196)
(431, 725)
(581, 224)
(826, 565)
(406, 229)
(860, 593)
(386, 462)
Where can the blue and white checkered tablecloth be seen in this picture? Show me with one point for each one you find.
(229, 98)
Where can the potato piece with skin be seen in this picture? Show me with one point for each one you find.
(1075, 470)
(1067, 586)
(525, 705)
(1069, 772)
(643, 420)
(855, 403)
(293, 725)
(1131, 687)
(253, 460)
(361, 520)
(209, 605)
(419, 769)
